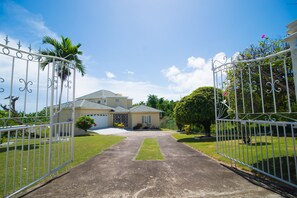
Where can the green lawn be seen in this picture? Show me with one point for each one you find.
(254, 154)
(150, 150)
(26, 171)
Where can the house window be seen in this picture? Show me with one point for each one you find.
(117, 100)
(146, 120)
(99, 101)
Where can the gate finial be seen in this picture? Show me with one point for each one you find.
(6, 40)
(19, 45)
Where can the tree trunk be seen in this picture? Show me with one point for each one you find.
(206, 126)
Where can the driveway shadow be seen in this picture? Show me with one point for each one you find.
(271, 185)
(197, 139)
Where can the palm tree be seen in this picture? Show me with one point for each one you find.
(64, 49)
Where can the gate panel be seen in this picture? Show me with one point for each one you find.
(36, 140)
(256, 114)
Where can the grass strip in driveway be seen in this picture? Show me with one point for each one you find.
(150, 150)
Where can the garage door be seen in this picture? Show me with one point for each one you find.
(101, 120)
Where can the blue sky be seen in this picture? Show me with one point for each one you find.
(137, 48)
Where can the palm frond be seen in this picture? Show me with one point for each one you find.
(64, 49)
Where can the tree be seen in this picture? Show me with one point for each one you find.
(152, 101)
(181, 113)
(162, 104)
(11, 108)
(65, 49)
(197, 109)
(85, 123)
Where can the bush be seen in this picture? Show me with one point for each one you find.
(3, 140)
(137, 126)
(119, 125)
(187, 128)
(85, 123)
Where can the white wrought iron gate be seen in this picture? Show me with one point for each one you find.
(256, 114)
(36, 117)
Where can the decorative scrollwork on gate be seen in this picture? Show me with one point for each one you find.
(68, 84)
(53, 82)
(273, 87)
(26, 85)
(1, 81)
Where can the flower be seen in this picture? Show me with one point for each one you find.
(263, 36)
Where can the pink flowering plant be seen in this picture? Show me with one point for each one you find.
(265, 47)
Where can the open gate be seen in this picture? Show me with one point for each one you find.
(34, 141)
(256, 112)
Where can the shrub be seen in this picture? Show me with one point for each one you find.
(119, 125)
(137, 126)
(3, 140)
(85, 123)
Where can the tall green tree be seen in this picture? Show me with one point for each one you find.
(64, 49)
(162, 104)
(152, 101)
(198, 108)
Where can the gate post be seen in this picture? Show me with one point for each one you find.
(292, 40)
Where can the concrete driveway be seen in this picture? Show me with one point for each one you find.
(110, 131)
(184, 173)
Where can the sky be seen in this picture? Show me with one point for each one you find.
(137, 48)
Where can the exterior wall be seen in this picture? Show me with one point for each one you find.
(129, 103)
(99, 101)
(117, 101)
(137, 118)
(112, 102)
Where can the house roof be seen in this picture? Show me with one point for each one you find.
(121, 110)
(100, 94)
(143, 109)
(87, 105)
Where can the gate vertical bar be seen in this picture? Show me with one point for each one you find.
(73, 114)
(215, 101)
(51, 116)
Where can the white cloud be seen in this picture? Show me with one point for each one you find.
(130, 72)
(196, 63)
(109, 74)
(197, 74)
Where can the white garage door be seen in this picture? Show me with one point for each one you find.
(101, 120)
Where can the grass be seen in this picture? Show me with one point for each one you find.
(150, 150)
(34, 162)
(253, 154)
